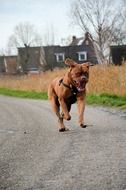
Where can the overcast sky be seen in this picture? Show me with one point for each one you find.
(44, 14)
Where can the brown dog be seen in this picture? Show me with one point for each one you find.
(64, 91)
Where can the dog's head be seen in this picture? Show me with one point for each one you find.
(78, 73)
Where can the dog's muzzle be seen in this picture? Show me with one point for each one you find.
(80, 84)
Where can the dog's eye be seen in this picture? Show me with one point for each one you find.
(85, 74)
(78, 74)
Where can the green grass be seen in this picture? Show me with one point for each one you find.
(24, 94)
(107, 100)
(93, 99)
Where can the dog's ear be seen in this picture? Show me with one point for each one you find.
(88, 64)
(91, 64)
(70, 62)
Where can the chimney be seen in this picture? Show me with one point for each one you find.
(74, 40)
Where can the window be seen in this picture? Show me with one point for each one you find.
(82, 56)
(60, 57)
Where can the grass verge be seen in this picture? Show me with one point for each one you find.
(107, 100)
(102, 99)
(24, 94)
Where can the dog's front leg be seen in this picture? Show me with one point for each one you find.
(81, 108)
(65, 112)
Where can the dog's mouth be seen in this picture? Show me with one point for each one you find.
(80, 85)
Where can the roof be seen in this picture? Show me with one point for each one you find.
(85, 40)
(76, 41)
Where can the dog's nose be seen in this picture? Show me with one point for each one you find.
(84, 77)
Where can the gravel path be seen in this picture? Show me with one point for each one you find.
(35, 156)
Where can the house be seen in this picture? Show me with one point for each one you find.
(2, 65)
(84, 49)
(8, 64)
(33, 59)
(118, 54)
(37, 59)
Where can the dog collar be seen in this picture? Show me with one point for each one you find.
(72, 88)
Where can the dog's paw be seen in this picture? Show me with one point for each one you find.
(63, 129)
(83, 126)
(67, 117)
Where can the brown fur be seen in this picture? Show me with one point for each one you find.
(64, 91)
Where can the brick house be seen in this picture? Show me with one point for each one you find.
(8, 64)
(2, 65)
(33, 59)
(36, 59)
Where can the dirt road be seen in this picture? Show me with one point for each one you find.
(35, 156)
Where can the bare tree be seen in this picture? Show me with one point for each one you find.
(24, 34)
(49, 35)
(103, 19)
(66, 41)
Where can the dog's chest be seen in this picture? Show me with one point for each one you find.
(71, 100)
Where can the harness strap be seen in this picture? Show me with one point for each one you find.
(73, 89)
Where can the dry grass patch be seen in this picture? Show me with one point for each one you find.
(38, 83)
(103, 79)
(107, 79)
